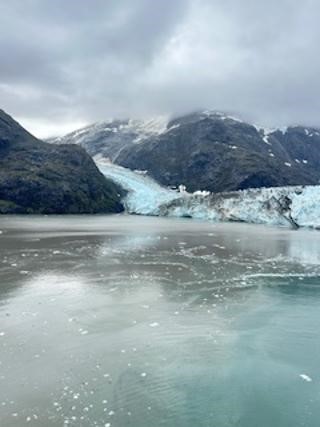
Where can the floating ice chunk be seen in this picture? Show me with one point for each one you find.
(305, 377)
(154, 324)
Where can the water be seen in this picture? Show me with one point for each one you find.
(148, 322)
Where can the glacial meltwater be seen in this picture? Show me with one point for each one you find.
(127, 321)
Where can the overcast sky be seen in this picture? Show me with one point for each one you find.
(65, 63)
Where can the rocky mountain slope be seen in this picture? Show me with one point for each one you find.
(208, 151)
(109, 138)
(37, 177)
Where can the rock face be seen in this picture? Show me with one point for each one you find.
(37, 177)
(211, 151)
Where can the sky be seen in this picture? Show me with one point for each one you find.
(67, 63)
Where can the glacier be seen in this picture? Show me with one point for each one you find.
(297, 206)
(144, 195)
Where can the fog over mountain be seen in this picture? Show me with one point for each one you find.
(66, 64)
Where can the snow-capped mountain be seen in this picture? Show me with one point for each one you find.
(285, 206)
(108, 138)
(207, 151)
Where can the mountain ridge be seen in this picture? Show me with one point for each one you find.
(209, 151)
(37, 177)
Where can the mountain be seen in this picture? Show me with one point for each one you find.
(109, 138)
(217, 153)
(208, 151)
(37, 177)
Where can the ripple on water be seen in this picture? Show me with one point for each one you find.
(148, 325)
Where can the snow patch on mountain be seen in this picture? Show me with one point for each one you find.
(220, 115)
(146, 128)
(138, 129)
(267, 132)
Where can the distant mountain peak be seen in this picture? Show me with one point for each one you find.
(207, 149)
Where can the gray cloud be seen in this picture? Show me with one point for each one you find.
(64, 63)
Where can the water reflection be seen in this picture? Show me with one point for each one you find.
(149, 322)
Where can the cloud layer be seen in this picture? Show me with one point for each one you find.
(65, 63)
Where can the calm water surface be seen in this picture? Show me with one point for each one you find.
(146, 322)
